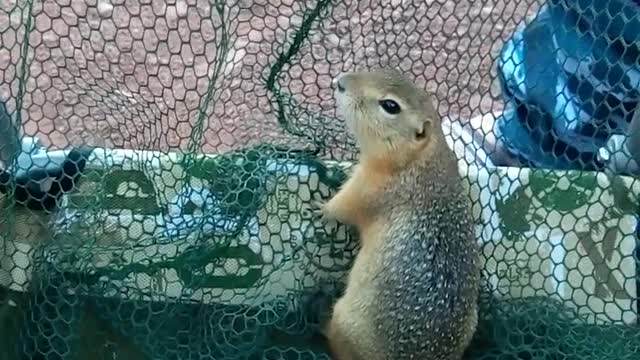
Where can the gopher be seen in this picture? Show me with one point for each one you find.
(412, 290)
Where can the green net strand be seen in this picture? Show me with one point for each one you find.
(209, 243)
(159, 160)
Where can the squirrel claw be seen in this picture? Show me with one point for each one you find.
(317, 210)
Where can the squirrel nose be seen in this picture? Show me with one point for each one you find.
(338, 82)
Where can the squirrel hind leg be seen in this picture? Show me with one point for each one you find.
(340, 346)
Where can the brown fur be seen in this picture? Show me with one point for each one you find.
(400, 197)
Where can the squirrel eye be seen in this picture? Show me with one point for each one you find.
(390, 106)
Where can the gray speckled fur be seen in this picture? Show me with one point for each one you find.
(428, 278)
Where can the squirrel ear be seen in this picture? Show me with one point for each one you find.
(421, 131)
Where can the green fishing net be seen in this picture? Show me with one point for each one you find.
(159, 160)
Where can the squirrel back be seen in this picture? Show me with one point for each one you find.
(412, 291)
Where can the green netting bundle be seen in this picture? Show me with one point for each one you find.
(159, 158)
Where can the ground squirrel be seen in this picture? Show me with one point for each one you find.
(412, 291)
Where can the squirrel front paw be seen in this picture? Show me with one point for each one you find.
(318, 212)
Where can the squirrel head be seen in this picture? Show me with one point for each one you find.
(386, 112)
